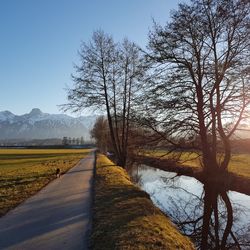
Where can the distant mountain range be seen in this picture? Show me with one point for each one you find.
(39, 125)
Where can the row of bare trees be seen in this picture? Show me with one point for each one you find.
(189, 91)
(72, 141)
(191, 85)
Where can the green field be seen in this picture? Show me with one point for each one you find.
(239, 164)
(25, 171)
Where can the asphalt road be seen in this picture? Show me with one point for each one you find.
(57, 217)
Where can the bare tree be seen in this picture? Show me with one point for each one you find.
(107, 79)
(201, 91)
(65, 140)
(101, 134)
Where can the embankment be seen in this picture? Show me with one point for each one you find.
(124, 217)
(227, 181)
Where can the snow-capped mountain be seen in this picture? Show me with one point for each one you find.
(39, 125)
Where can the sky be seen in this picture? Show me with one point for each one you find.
(39, 40)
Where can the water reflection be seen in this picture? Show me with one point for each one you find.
(210, 216)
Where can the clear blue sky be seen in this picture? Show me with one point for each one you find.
(39, 40)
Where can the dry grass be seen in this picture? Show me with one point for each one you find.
(125, 217)
(25, 171)
(239, 164)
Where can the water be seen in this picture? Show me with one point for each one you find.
(189, 202)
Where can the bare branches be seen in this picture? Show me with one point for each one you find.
(201, 84)
(108, 78)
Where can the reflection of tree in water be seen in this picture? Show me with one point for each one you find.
(135, 173)
(210, 220)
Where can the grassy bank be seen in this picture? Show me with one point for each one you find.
(239, 163)
(125, 217)
(25, 171)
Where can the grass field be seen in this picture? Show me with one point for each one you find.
(239, 164)
(125, 217)
(25, 171)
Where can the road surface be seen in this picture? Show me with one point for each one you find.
(57, 217)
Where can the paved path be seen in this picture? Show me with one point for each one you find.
(58, 217)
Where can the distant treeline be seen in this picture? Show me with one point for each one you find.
(241, 146)
(88, 145)
(72, 141)
(30, 142)
(65, 142)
